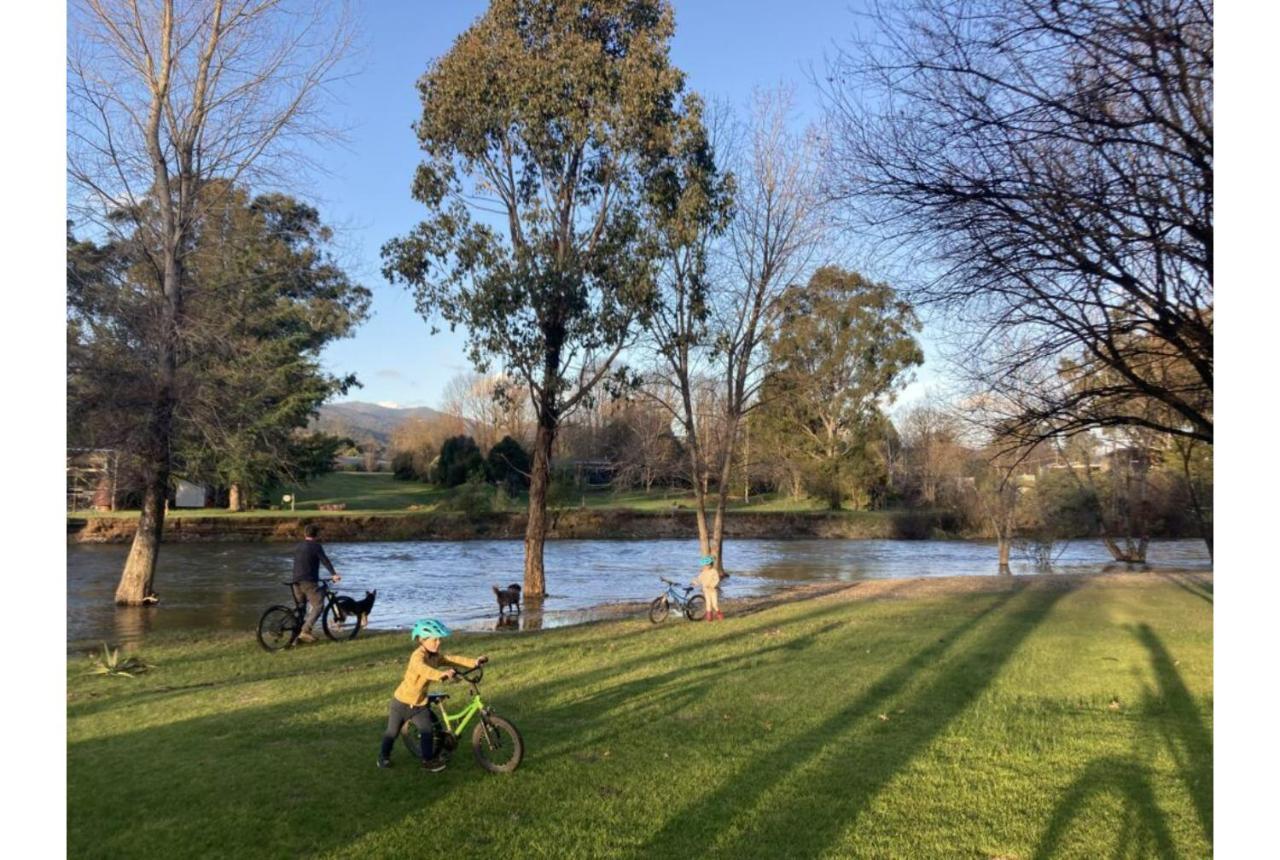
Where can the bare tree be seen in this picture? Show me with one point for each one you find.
(490, 405)
(164, 97)
(1049, 165)
(720, 297)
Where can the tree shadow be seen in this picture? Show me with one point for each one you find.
(1188, 739)
(1200, 586)
(842, 760)
(174, 789)
(1143, 832)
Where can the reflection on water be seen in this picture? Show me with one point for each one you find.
(227, 586)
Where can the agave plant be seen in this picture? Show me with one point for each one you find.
(110, 664)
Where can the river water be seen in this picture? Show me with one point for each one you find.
(227, 586)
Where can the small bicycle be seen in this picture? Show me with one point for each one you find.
(496, 743)
(694, 606)
(280, 625)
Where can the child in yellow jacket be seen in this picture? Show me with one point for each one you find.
(409, 702)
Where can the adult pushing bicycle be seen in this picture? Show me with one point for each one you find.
(281, 626)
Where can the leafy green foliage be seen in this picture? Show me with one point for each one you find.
(109, 663)
(508, 465)
(264, 296)
(460, 458)
(843, 349)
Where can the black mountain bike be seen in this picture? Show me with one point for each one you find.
(280, 625)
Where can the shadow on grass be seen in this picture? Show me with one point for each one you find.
(1189, 740)
(1200, 586)
(1142, 831)
(272, 780)
(842, 760)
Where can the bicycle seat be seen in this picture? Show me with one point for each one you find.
(436, 697)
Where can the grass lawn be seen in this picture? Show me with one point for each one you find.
(379, 492)
(1026, 722)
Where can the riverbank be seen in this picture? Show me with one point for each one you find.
(1015, 717)
(571, 524)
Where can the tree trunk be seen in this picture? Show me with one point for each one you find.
(235, 500)
(1003, 542)
(535, 535)
(135, 587)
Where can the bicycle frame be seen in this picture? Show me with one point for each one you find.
(455, 723)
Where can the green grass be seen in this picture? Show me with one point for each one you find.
(1024, 723)
(380, 493)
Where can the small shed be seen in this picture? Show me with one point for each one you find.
(188, 495)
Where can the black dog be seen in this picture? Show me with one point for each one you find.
(509, 596)
(359, 608)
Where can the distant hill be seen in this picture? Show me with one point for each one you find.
(362, 420)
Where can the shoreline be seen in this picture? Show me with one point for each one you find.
(572, 524)
(918, 587)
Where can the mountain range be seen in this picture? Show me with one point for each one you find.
(361, 421)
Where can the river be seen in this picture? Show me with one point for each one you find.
(226, 586)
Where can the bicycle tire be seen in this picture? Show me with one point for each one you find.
(695, 608)
(495, 734)
(278, 628)
(412, 739)
(658, 610)
(335, 628)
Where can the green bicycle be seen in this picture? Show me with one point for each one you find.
(496, 743)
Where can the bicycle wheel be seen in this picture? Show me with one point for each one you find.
(278, 628)
(658, 610)
(336, 627)
(412, 740)
(497, 744)
(695, 608)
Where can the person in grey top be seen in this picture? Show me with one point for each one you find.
(307, 558)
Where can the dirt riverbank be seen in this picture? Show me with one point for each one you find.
(566, 525)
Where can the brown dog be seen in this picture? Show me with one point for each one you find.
(509, 596)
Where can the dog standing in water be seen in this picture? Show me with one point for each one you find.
(509, 596)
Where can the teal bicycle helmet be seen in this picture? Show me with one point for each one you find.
(429, 628)
(708, 559)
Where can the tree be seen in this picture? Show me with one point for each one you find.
(163, 98)
(843, 347)
(263, 298)
(508, 465)
(460, 457)
(1051, 162)
(489, 405)
(553, 117)
(709, 327)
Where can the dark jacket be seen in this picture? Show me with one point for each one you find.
(307, 558)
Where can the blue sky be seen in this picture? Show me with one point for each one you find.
(725, 47)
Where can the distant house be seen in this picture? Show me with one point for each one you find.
(189, 495)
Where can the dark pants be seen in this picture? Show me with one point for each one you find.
(398, 713)
(311, 593)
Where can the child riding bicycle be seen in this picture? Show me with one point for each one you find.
(409, 702)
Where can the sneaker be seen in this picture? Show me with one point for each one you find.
(306, 637)
(710, 616)
(434, 765)
(383, 763)
(719, 615)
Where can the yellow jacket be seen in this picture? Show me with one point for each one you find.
(708, 577)
(422, 670)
